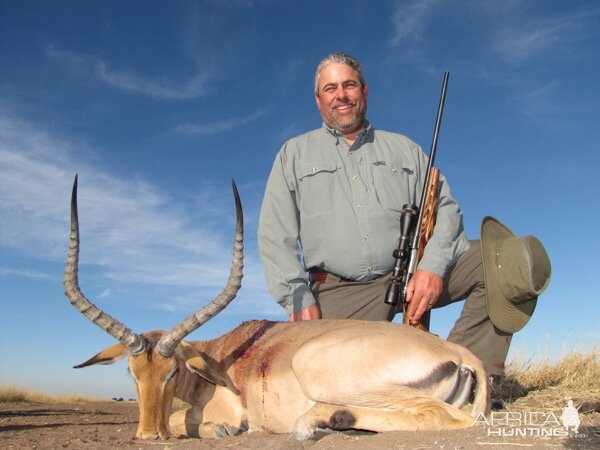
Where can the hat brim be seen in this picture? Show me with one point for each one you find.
(505, 315)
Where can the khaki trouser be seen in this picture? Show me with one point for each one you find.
(473, 329)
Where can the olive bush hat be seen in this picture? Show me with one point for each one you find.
(516, 270)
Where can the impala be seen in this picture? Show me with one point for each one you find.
(286, 377)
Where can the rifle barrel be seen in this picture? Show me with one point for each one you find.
(436, 131)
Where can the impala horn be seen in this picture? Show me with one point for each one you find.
(134, 343)
(167, 344)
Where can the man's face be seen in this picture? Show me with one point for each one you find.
(342, 98)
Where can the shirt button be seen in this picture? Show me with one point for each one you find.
(365, 236)
(355, 178)
(359, 205)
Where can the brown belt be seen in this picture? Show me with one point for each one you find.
(320, 277)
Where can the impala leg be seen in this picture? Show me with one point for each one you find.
(323, 415)
(185, 422)
(189, 423)
(421, 413)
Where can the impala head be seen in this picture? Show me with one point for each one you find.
(157, 359)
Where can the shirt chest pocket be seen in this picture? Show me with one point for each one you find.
(394, 184)
(317, 188)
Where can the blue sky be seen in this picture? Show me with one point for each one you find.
(157, 105)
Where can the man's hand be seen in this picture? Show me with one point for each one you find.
(311, 313)
(423, 291)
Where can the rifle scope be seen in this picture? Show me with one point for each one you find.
(407, 225)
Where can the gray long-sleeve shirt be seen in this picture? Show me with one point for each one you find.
(337, 208)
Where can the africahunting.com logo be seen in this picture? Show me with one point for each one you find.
(530, 423)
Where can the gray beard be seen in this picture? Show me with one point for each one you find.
(347, 128)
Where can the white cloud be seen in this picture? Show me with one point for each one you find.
(25, 273)
(135, 234)
(34, 171)
(509, 32)
(219, 126)
(105, 293)
(127, 80)
(519, 43)
(540, 101)
(518, 46)
(409, 21)
(537, 100)
(197, 86)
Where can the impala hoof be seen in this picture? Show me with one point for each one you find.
(303, 435)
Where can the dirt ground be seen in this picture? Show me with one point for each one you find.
(105, 425)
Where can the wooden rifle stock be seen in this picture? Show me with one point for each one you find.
(429, 213)
(427, 225)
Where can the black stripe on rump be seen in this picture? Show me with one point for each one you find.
(438, 374)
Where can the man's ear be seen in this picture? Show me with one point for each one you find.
(109, 355)
(365, 90)
(207, 368)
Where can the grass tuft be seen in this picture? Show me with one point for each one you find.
(575, 376)
(17, 395)
(575, 371)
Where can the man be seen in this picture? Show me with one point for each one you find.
(330, 222)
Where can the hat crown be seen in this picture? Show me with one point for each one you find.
(522, 268)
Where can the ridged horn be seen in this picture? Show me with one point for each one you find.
(167, 344)
(134, 343)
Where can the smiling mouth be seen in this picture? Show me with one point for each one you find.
(344, 106)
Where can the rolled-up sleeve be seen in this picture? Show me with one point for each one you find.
(278, 234)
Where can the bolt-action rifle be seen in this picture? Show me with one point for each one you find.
(416, 227)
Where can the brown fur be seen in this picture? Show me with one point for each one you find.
(286, 377)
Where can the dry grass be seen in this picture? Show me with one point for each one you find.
(577, 371)
(544, 386)
(17, 395)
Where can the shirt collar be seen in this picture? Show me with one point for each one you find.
(337, 135)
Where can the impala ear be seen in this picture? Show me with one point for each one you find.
(204, 366)
(107, 356)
